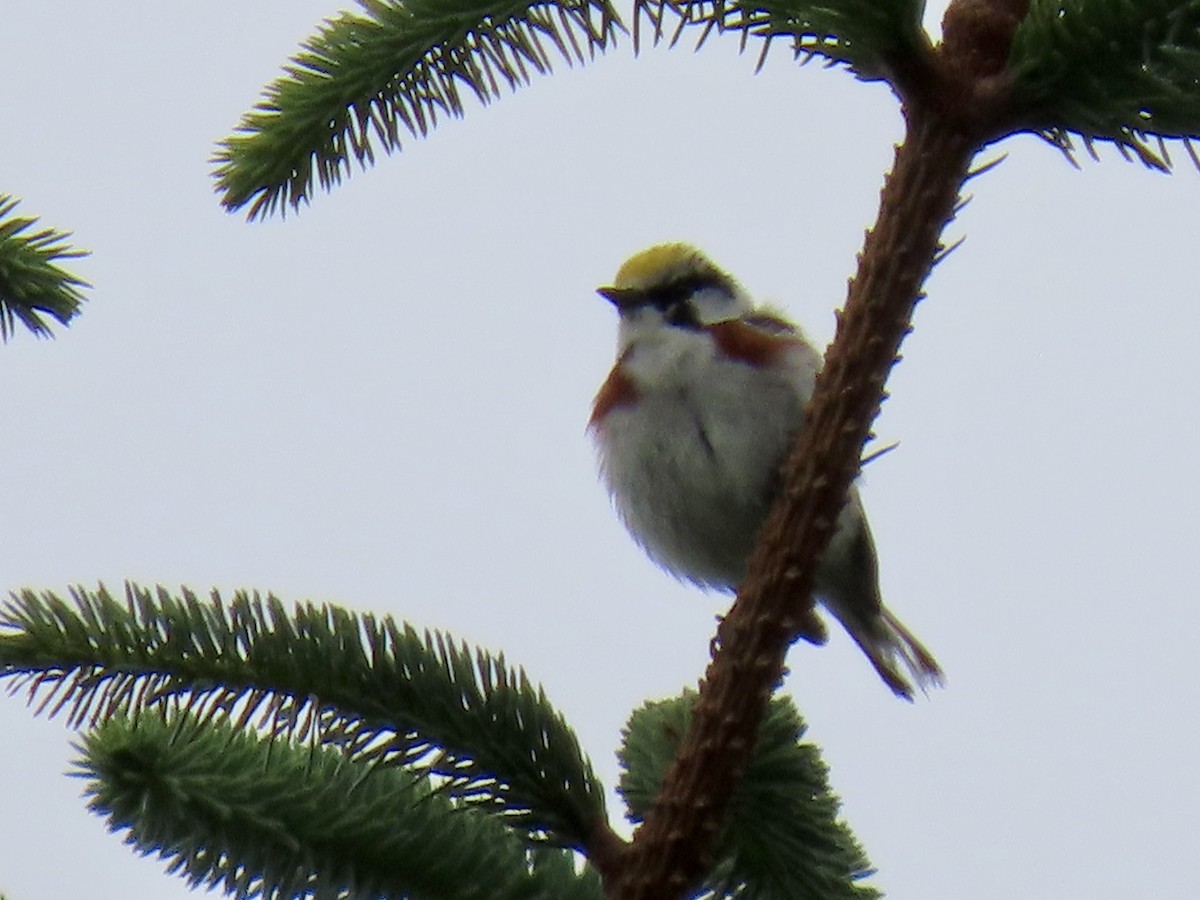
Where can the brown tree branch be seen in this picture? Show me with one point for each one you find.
(954, 103)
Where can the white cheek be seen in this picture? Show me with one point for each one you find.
(713, 304)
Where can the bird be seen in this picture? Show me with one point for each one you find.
(692, 427)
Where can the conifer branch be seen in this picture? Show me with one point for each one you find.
(951, 112)
(229, 809)
(674, 849)
(364, 79)
(1125, 71)
(783, 837)
(379, 691)
(874, 38)
(31, 283)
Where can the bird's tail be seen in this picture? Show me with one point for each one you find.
(892, 649)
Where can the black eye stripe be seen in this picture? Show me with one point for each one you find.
(674, 297)
(679, 291)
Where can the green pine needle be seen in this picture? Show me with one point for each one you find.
(30, 283)
(783, 837)
(1126, 71)
(377, 690)
(232, 810)
(394, 68)
(368, 79)
(872, 37)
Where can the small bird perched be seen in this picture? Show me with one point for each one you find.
(693, 425)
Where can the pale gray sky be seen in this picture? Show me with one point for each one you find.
(381, 403)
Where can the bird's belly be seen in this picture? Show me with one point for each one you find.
(693, 481)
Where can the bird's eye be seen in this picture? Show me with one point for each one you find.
(681, 314)
(675, 301)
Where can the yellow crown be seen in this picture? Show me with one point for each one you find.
(662, 264)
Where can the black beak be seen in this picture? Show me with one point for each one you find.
(624, 298)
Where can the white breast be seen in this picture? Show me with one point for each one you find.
(692, 465)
